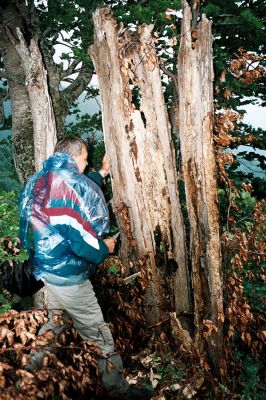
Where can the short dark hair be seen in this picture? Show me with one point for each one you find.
(72, 145)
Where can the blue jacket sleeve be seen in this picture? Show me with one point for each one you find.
(96, 177)
(82, 248)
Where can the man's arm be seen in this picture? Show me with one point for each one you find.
(80, 235)
(98, 177)
(94, 253)
(90, 253)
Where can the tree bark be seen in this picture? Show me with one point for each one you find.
(144, 179)
(22, 127)
(195, 73)
(45, 133)
(41, 107)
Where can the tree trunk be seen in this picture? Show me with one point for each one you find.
(144, 179)
(22, 127)
(40, 102)
(42, 115)
(195, 72)
(60, 107)
(31, 105)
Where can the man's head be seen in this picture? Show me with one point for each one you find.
(76, 148)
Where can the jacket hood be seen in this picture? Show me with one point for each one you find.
(59, 160)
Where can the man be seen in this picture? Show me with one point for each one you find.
(64, 218)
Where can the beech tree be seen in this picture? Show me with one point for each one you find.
(44, 129)
(21, 120)
(25, 26)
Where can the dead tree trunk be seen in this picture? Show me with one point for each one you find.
(195, 73)
(144, 179)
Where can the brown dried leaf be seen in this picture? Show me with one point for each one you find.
(10, 338)
(3, 332)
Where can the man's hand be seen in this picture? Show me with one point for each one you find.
(106, 164)
(110, 243)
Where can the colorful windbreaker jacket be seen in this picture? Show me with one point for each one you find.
(63, 217)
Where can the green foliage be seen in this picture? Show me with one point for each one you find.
(252, 173)
(254, 269)
(9, 218)
(252, 20)
(83, 56)
(5, 305)
(152, 11)
(244, 204)
(236, 25)
(75, 19)
(8, 177)
(212, 10)
(170, 372)
(9, 227)
(99, 151)
(250, 379)
(114, 269)
(84, 124)
(13, 302)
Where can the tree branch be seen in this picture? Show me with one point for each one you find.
(70, 70)
(73, 91)
(171, 75)
(63, 44)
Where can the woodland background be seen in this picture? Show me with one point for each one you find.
(155, 354)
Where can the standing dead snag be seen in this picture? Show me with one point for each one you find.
(144, 178)
(195, 73)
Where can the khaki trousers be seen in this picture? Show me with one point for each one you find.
(80, 305)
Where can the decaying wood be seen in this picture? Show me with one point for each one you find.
(40, 299)
(130, 278)
(181, 336)
(144, 178)
(195, 76)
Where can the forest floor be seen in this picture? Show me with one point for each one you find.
(71, 373)
(154, 356)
